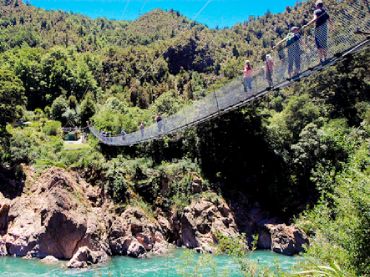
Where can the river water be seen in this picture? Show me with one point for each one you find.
(178, 263)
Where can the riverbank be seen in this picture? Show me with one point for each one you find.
(61, 216)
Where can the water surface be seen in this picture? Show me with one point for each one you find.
(173, 265)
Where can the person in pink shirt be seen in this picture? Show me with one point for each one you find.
(248, 76)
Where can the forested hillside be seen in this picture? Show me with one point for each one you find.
(135, 61)
(300, 154)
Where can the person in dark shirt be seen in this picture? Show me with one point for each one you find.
(293, 43)
(294, 48)
(158, 119)
(321, 19)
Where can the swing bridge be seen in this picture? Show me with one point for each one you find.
(348, 33)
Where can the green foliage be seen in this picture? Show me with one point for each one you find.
(87, 108)
(58, 108)
(11, 97)
(57, 53)
(71, 117)
(116, 185)
(52, 128)
(232, 246)
(72, 101)
(330, 271)
(30, 144)
(236, 248)
(12, 100)
(168, 103)
(341, 220)
(192, 264)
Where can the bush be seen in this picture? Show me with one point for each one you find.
(52, 128)
(87, 108)
(341, 222)
(58, 108)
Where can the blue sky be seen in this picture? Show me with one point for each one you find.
(211, 12)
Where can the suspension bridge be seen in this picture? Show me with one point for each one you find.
(348, 33)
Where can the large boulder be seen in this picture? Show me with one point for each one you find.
(85, 257)
(134, 234)
(283, 239)
(201, 221)
(50, 260)
(54, 217)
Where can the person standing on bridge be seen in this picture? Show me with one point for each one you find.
(321, 18)
(294, 51)
(142, 127)
(247, 76)
(158, 119)
(269, 70)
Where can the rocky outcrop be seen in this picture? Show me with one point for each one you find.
(283, 239)
(53, 218)
(4, 211)
(85, 257)
(135, 234)
(60, 217)
(197, 185)
(200, 222)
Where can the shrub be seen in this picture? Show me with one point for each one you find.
(52, 128)
(58, 108)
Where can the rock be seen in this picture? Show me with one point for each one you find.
(49, 260)
(4, 210)
(3, 250)
(165, 225)
(283, 239)
(136, 249)
(196, 187)
(55, 218)
(135, 234)
(161, 248)
(201, 221)
(85, 257)
(264, 239)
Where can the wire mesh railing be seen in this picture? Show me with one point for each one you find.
(301, 52)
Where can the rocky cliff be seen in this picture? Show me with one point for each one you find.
(60, 215)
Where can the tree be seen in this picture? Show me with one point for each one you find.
(12, 97)
(71, 117)
(58, 108)
(72, 102)
(87, 108)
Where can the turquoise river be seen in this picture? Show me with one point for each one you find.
(178, 263)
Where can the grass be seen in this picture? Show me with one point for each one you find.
(71, 147)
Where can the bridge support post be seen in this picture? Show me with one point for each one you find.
(218, 107)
